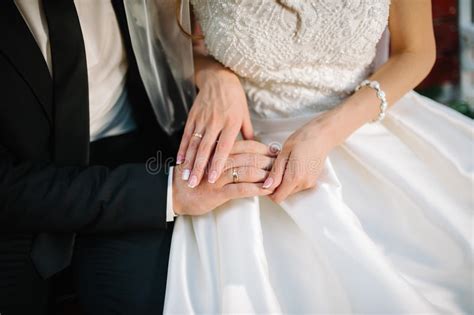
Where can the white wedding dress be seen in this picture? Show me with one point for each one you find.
(389, 227)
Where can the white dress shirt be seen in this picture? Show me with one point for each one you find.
(170, 214)
(110, 113)
(107, 64)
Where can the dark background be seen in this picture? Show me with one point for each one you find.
(445, 80)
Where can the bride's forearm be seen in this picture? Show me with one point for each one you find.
(413, 53)
(397, 77)
(205, 66)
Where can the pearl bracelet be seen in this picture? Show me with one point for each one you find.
(380, 94)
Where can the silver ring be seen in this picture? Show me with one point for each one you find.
(235, 176)
(197, 134)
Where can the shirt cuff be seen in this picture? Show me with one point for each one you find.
(170, 214)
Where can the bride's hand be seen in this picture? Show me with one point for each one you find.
(243, 173)
(217, 116)
(301, 160)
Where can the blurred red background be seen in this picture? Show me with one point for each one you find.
(443, 83)
(445, 20)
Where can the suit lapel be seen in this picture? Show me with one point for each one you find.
(18, 45)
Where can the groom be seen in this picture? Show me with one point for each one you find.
(77, 204)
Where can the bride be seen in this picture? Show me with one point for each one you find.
(371, 207)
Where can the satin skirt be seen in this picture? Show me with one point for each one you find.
(388, 229)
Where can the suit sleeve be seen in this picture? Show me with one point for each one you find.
(42, 197)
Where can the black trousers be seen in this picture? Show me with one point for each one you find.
(120, 273)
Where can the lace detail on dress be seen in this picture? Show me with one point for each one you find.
(294, 56)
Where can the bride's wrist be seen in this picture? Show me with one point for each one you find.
(337, 124)
(214, 71)
(326, 126)
(215, 75)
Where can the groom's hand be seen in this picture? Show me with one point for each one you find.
(244, 172)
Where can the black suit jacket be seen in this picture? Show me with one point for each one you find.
(38, 194)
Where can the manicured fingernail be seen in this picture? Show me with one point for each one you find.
(274, 148)
(212, 177)
(268, 182)
(193, 181)
(185, 175)
(180, 159)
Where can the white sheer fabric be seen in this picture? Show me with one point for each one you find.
(389, 228)
(158, 43)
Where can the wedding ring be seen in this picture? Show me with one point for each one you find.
(197, 134)
(235, 176)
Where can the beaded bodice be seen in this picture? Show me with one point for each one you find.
(294, 56)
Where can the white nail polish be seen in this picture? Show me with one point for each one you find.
(179, 160)
(268, 182)
(185, 175)
(193, 181)
(213, 177)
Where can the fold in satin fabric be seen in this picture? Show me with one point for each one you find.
(387, 230)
